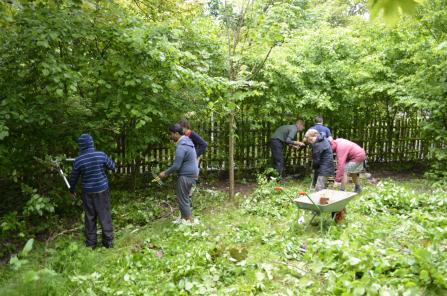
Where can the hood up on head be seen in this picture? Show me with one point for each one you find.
(85, 142)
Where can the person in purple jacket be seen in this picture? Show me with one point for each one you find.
(199, 143)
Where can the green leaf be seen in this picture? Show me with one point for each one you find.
(27, 248)
(354, 261)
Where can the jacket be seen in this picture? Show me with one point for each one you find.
(323, 130)
(322, 157)
(199, 143)
(90, 165)
(185, 161)
(285, 133)
(346, 151)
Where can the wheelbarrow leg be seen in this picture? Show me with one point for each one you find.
(332, 223)
(321, 223)
(310, 222)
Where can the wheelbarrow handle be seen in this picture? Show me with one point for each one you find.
(315, 205)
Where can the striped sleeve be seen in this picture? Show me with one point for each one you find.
(109, 163)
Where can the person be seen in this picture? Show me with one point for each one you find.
(90, 165)
(199, 143)
(323, 130)
(185, 165)
(350, 158)
(284, 135)
(322, 158)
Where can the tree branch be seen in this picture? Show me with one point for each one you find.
(257, 69)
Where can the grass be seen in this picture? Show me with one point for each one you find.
(392, 243)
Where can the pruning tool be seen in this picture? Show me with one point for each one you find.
(59, 169)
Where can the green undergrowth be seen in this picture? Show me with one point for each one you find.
(392, 242)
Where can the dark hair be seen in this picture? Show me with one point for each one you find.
(318, 119)
(184, 123)
(176, 128)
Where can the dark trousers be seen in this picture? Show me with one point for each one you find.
(97, 205)
(277, 155)
(182, 191)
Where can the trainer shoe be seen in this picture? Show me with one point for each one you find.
(177, 221)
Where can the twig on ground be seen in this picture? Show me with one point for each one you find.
(171, 210)
(289, 265)
(54, 236)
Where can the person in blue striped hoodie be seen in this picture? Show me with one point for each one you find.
(90, 165)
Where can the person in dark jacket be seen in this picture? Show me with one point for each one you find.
(199, 143)
(323, 130)
(322, 158)
(185, 165)
(90, 165)
(284, 135)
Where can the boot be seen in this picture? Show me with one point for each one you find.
(107, 245)
(188, 218)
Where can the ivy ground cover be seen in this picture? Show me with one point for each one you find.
(392, 242)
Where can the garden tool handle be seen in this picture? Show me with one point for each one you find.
(65, 178)
(315, 205)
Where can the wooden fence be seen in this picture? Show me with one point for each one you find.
(384, 140)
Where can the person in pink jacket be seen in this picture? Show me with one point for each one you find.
(350, 158)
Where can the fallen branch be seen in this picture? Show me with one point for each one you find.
(169, 205)
(54, 236)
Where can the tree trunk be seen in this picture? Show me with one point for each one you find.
(231, 153)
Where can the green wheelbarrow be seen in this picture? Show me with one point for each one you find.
(334, 201)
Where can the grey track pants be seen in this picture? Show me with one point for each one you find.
(97, 206)
(183, 188)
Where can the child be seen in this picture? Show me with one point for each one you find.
(90, 166)
(322, 157)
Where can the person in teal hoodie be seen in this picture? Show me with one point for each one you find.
(186, 166)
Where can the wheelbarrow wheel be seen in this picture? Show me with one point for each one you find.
(339, 216)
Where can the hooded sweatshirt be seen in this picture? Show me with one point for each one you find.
(322, 157)
(346, 151)
(90, 166)
(185, 162)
